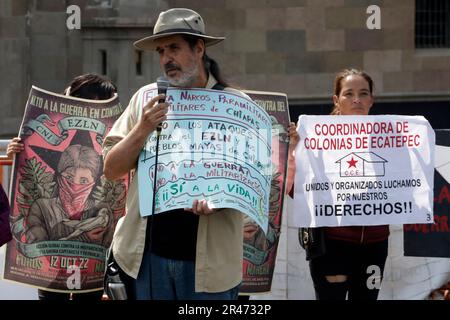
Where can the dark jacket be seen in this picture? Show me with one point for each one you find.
(5, 229)
(355, 234)
(358, 234)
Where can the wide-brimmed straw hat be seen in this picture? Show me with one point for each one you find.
(177, 21)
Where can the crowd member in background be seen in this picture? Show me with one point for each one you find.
(341, 271)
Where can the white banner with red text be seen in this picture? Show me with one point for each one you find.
(364, 170)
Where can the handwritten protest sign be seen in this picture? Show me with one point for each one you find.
(364, 170)
(63, 211)
(214, 145)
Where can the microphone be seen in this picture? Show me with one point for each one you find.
(162, 83)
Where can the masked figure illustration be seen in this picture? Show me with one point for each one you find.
(71, 214)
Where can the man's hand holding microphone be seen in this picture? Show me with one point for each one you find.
(155, 111)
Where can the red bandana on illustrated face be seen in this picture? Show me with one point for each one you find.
(73, 197)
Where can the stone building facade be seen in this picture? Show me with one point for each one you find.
(292, 46)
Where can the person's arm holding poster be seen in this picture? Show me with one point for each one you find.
(15, 146)
(294, 138)
(338, 267)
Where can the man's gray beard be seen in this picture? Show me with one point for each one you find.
(187, 79)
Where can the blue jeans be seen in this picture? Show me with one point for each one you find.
(167, 279)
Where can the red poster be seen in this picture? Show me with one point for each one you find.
(260, 250)
(433, 240)
(63, 210)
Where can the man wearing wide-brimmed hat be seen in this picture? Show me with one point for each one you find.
(194, 253)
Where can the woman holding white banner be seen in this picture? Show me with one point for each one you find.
(352, 264)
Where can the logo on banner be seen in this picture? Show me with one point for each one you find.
(362, 164)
